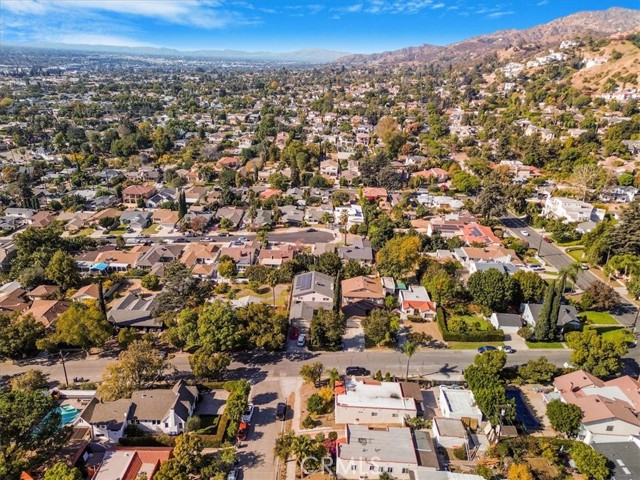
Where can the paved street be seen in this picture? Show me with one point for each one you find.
(559, 260)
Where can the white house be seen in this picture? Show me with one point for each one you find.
(568, 315)
(373, 402)
(610, 409)
(353, 212)
(509, 323)
(415, 300)
(449, 432)
(570, 210)
(164, 410)
(458, 403)
(368, 452)
(107, 420)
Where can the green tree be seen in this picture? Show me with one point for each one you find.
(62, 471)
(29, 431)
(150, 281)
(409, 348)
(564, 417)
(81, 325)
(312, 372)
(625, 235)
(464, 182)
(600, 297)
(492, 361)
(597, 355)
(590, 463)
(327, 330)
(492, 289)
(227, 268)
(138, 367)
(206, 363)
(218, 327)
(62, 270)
(491, 203)
(545, 329)
(31, 381)
(399, 256)
(126, 336)
(19, 336)
(265, 326)
(539, 370)
(531, 287)
(380, 327)
(180, 290)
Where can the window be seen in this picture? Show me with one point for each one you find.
(405, 470)
(394, 415)
(609, 428)
(353, 468)
(380, 469)
(166, 425)
(374, 414)
(389, 469)
(372, 467)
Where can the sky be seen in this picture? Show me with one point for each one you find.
(356, 26)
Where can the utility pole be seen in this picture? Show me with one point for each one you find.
(64, 367)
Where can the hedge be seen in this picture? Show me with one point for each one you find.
(476, 336)
(214, 441)
(149, 441)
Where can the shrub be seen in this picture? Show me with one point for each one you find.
(194, 424)
(308, 422)
(469, 336)
(460, 452)
(133, 430)
(149, 441)
(214, 441)
(316, 404)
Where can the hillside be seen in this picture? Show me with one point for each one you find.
(627, 66)
(591, 23)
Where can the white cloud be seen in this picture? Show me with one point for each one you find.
(198, 13)
(500, 14)
(91, 39)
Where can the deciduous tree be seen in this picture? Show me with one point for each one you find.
(564, 417)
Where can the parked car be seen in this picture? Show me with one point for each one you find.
(311, 230)
(486, 348)
(302, 340)
(584, 266)
(357, 371)
(507, 349)
(234, 474)
(547, 239)
(242, 240)
(248, 413)
(243, 429)
(524, 233)
(281, 411)
(224, 234)
(535, 268)
(294, 332)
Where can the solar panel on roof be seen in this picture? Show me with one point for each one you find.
(303, 282)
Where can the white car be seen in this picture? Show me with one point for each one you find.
(524, 233)
(248, 413)
(302, 340)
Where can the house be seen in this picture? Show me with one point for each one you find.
(474, 233)
(494, 253)
(242, 255)
(201, 257)
(570, 210)
(41, 219)
(291, 215)
(233, 214)
(415, 300)
(352, 214)
(509, 323)
(113, 213)
(276, 255)
(361, 294)
(164, 410)
(89, 292)
(166, 219)
(43, 292)
(123, 463)
(134, 311)
(459, 403)
(449, 432)
(437, 174)
(624, 457)
(136, 219)
(262, 218)
(12, 298)
(228, 162)
(136, 194)
(330, 168)
(375, 193)
(157, 256)
(568, 315)
(8, 251)
(367, 452)
(610, 409)
(311, 291)
(373, 403)
(162, 196)
(47, 311)
(107, 420)
(474, 267)
(359, 250)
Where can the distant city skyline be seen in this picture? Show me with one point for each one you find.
(357, 26)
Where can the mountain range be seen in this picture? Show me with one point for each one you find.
(507, 43)
(596, 24)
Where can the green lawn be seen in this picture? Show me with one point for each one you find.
(575, 243)
(600, 318)
(473, 345)
(576, 254)
(152, 229)
(543, 345)
(85, 232)
(209, 424)
(616, 333)
(472, 322)
(117, 231)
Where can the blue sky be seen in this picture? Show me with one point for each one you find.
(278, 25)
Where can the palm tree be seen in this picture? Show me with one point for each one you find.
(272, 279)
(303, 447)
(344, 219)
(333, 376)
(570, 272)
(409, 348)
(283, 447)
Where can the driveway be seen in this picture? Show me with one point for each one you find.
(354, 336)
(516, 342)
(255, 454)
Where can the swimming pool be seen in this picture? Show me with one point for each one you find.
(68, 414)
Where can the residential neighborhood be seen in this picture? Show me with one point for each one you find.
(407, 270)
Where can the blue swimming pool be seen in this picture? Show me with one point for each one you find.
(68, 414)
